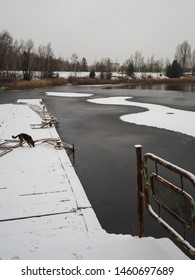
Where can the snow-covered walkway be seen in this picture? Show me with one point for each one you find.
(44, 211)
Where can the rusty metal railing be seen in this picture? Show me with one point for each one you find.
(174, 199)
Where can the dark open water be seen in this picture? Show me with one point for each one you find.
(105, 157)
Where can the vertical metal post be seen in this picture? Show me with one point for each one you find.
(73, 155)
(140, 190)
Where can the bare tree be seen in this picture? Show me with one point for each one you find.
(66, 66)
(183, 55)
(150, 64)
(46, 63)
(5, 48)
(15, 56)
(9, 57)
(138, 61)
(27, 58)
(49, 60)
(75, 63)
(193, 62)
(41, 58)
(104, 67)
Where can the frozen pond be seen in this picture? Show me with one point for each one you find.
(105, 156)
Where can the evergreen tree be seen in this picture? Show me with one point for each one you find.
(130, 69)
(108, 69)
(84, 66)
(174, 70)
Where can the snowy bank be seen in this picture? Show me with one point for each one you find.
(44, 211)
(137, 75)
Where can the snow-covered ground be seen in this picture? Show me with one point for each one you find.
(44, 211)
(80, 74)
(138, 75)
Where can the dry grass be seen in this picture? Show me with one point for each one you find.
(89, 81)
(146, 81)
(21, 85)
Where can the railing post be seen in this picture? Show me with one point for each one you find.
(140, 190)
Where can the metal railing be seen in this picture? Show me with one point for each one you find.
(174, 199)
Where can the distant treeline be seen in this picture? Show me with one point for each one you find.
(23, 56)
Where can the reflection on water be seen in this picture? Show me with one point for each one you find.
(186, 87)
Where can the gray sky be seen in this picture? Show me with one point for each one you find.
(97, 29)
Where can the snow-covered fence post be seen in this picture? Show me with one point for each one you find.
(140, 190)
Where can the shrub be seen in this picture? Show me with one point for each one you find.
(92, 74)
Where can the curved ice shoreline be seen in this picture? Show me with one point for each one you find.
(156, 115)
(68, 94)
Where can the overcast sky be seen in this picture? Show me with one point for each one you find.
(97, 29)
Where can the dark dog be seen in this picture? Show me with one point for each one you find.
(24, 137)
